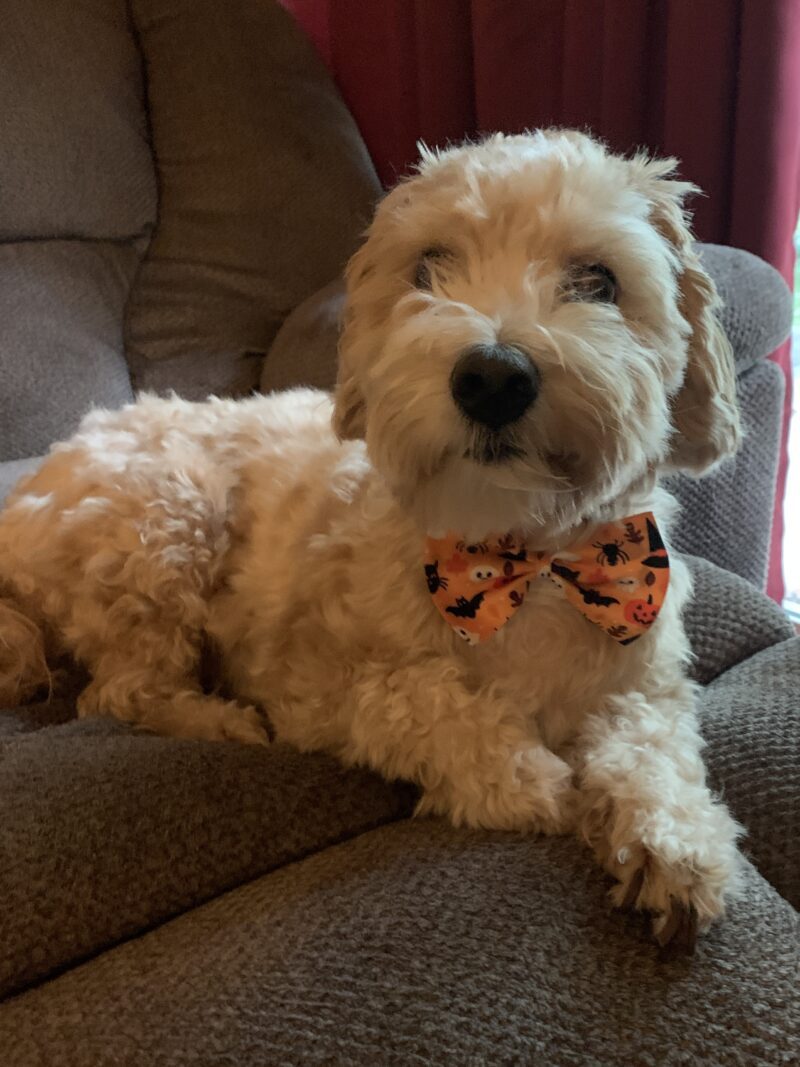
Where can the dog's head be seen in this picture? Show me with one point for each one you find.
(529, 336)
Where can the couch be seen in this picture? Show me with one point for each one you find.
(180, 188)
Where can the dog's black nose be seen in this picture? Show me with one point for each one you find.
(494, 384)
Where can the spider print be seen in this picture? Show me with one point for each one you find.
(611, 553)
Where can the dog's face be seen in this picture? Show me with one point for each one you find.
(529, 336)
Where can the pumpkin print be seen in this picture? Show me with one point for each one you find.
(642, 611)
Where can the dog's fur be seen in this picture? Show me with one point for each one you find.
(288, 530)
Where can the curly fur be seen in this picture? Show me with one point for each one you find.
(287, 530)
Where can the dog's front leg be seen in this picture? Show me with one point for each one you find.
(476, 755)
(649, 815)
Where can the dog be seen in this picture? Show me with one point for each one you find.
(529, 342)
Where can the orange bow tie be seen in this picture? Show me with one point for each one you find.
(617, 580)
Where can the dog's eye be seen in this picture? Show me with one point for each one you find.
(591, 283)
(422, 272)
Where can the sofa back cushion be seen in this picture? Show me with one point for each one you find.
(75, 159)
(264, 186)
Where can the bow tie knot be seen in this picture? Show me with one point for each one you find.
(617, 578)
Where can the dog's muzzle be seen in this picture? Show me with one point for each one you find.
(494, 385)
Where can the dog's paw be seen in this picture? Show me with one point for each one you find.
(208, 718)
(531, 789)
(541, 795)
(683, 893)
(245, 725)
(678, 862)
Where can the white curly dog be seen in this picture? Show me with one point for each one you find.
(529, 341)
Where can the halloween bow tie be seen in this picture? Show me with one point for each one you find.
(617, 579)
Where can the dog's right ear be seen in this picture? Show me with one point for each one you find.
(349, 409)
(704, 411)
(349, 406)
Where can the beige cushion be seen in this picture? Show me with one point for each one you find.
(304, 351)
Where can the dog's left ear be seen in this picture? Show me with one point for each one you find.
(349, 406)
(704, 411)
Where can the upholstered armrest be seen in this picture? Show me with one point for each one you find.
(750, 717)
(747, 656)
(304, 349)
(728, 620)
(757, 312)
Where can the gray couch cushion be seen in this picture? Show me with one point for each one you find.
(75, 160)
(419, 944)
(264, 185)
(61, 306)
(104, 832)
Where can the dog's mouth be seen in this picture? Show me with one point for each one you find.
(492, 450)
(562, 464)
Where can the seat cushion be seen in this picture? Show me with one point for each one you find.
(61, 311)
(264, 187)
(105, 832)
(75, 159)
(420, 944)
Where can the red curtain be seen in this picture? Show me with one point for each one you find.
(714, 82)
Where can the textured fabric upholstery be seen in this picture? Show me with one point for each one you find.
(419, 944)
(75, 160)
(264, 187)
(751, 719)
(61, 306)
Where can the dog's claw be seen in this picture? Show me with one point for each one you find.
(678, 936)
(634, 889)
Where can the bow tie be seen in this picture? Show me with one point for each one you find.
(617, 578)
